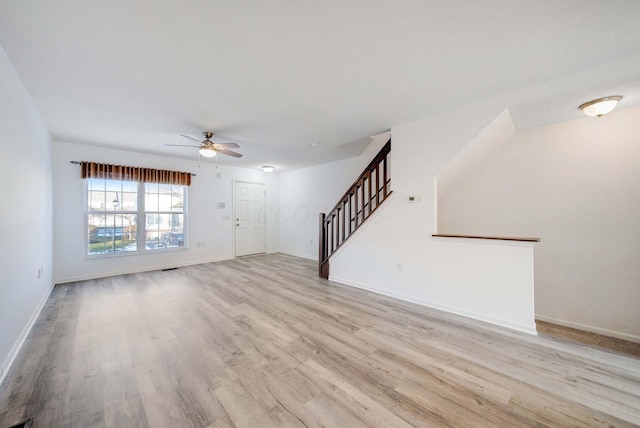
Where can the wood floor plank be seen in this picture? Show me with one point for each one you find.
(361, 405)
(330, 413)
(126, 413)
(243, 409)
(262, 341)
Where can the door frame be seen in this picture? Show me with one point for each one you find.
(233, 213)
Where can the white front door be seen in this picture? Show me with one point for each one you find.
(249, 218)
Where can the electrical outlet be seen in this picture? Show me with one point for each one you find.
(399, 267)
(311, 242)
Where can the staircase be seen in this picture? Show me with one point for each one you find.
(366, 194)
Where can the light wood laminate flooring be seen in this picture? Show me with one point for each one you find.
(597, 340)
(263, 342)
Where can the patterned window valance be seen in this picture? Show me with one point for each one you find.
(134, 173)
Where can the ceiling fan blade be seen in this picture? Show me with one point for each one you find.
(229, 153)
(191, 138)
(227, 145)
(180, 145)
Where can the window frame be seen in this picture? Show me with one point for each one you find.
(141, 226)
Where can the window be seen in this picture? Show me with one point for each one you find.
(113, 217)
(164, 215)
(134, 217)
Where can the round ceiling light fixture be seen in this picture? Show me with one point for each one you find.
(600, 106)
(268, 168)
(207, 152)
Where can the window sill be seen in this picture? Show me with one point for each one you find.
(134, 253)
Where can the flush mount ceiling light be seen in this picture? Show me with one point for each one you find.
(601, 106)
(268, 168)
(207, 152)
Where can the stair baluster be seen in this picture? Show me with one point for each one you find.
(357, 204)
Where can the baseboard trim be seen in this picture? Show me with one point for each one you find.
(138, 270)
(528, 329)
(598, 330)
(302, 256)
(8, 361)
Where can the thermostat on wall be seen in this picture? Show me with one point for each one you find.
(221, 205)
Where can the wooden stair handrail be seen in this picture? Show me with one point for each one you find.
(384, 151)
(354, 208)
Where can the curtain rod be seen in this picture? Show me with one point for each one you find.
(78, 163)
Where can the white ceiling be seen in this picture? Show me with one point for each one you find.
(276, 76)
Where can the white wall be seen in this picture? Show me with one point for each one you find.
(307, 192)
(206, 221)
(576, 185)
(492, 137)
(25, 171)
(486, 280)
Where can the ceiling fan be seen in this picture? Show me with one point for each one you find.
(208, 148)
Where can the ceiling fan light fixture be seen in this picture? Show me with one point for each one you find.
(600, 106)
(268, 168)
(207, 152)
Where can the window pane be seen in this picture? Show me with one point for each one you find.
(97, 235)
(130, 186)
(166, 232)
(115, 204)
(128, 224)
(164, 229)
(96, 184)
(176, 221)
(177, 198)
(96, 200)
(164, 198)
(110, 233)
(152, 236)
(113, 186)
(151, 197)
(112, 201)
(129, 201)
